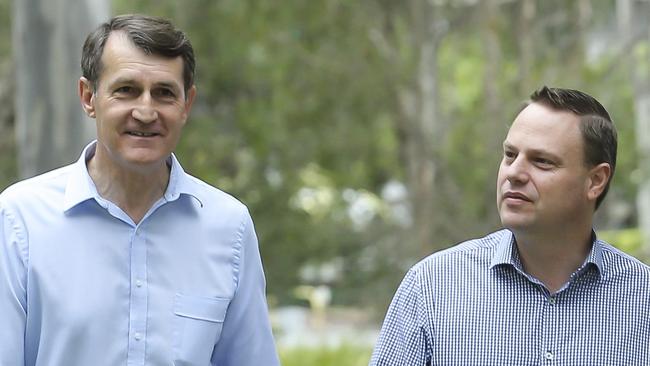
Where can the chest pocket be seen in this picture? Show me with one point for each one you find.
(198, 322)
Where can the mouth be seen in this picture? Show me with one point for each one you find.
(516, 196)
(141, 134)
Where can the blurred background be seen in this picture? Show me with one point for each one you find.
(363, 135)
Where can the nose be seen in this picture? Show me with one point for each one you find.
(516, 171)
(145, 111)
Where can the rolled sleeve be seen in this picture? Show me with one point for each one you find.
(246, 339)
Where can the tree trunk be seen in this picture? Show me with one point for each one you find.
(51, 127)
(642, 109)
(641, 80)
(525, 46)
(425, 128)
(493, 127)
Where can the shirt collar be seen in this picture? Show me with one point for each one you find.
(506, 254)
(181, 183)
(80, 186)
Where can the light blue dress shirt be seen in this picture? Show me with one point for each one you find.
(474, 304)
(82, 285)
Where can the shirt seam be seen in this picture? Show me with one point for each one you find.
(237, 254)
(609, 248)
(21, 238)
(453, 251)
(423, 315)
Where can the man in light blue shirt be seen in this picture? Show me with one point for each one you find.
(545, 290)
(122, 258)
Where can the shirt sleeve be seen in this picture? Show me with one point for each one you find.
(13, 298)
(403, 338)
(246, 338)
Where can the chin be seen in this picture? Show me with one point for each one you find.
(143, 164)
(515, 221)
(145, 157)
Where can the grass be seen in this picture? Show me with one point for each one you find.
(341, 356)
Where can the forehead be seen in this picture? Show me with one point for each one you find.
(542, 128)
(123, 59)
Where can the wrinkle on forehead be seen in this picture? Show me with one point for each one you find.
(123, 60)
(541, 128)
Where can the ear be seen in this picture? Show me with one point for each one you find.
(189, 101)
(597, 180)
(87, 96)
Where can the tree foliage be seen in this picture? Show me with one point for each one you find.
(307, 112)
(8, 161)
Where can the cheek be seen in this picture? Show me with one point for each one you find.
(500, 175)
(178, 124)
(111, 112)
(562, 191)
(174, 113)
(501, 181)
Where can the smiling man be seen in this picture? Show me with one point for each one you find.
(544, 290)
(122, 258)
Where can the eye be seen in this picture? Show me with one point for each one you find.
(509, 155)
(544, 163)
(165, 93)
(124, 90)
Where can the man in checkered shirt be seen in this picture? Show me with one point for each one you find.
(544, 290)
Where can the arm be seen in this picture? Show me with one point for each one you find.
(403, 339)
(13, 298)
(246, 338)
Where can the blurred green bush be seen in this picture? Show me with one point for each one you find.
(341, 356)
(627, 240)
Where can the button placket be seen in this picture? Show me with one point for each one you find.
(138, 299)
(550, 325)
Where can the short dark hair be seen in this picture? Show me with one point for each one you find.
(596, 126)
(153, 35)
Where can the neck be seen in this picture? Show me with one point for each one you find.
(132, 190)
(553, 257)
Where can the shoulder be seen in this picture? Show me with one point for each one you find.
(28, 197)
(214, 198)
(48, 186)
(474, 252)
(618, 263)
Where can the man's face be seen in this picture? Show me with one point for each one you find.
(139, 105)
(543, 182)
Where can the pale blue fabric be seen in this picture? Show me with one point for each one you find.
(82, 285)
(473, 304)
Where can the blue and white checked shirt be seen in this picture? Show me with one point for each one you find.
(82, 285)
(474, 305)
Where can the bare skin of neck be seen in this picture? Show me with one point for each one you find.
(553, 257)
(132, 190)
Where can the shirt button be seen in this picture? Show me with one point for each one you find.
(549, 356)
(137, 336)
(138, 283)
(552, 300)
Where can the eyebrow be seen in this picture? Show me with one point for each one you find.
(168, 85)
(129, 80)
(549, 154)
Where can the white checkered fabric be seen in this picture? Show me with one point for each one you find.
(474, 305)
